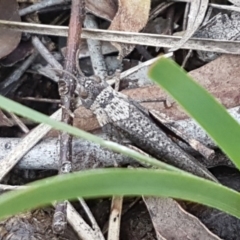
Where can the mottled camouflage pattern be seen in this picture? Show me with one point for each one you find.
(122, 114)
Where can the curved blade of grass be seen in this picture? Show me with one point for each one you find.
(200, 105)
(128, 182)
(21, 110)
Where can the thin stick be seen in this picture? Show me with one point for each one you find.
(14, 156)
(83, 230)
(96, 229)
(19, 122)
(66, 87)
(44, 52)
(160, 8)
(95, 49)
(187, 54)
(16, 74)
(43, 4)
(124, 211)
(156, 40)
(115, 218)
(47, 100)
(5, 121)
(144, 64)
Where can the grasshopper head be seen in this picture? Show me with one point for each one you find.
(91, 88)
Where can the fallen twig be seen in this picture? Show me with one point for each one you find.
(19, 122)
(196, 15)
(115, 218)
(96, 229)
(83, 230)
(94, 47)
(155, 40)
(16, 74)
(86, 155)
(66, 87)
(41, 5)
(14, 156)
(44, 52)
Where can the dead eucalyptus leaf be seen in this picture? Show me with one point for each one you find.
(23, 50)
(102, 8)
(132, 16)
(171, 221)
(219, 77)
(197, 12)
(85, 119)
(9, 39)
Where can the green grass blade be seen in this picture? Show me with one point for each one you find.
(174, 183)
(128, 182)
(200, 105)
(21, 110)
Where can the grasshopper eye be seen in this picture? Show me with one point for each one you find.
(83, 94)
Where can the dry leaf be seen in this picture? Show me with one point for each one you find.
(85, 120)
(102, 8)
(219, 77)
(171, 221)
(132, 16)
(23, 50)
(9, 39)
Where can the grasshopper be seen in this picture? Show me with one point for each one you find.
(117, 113)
